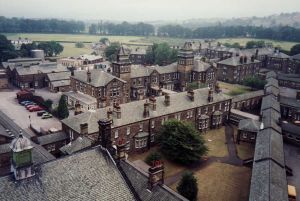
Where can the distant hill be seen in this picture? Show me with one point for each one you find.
(290, 19)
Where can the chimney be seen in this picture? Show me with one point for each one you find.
(117, 110)
(72, 71)
(210, 97)
(152, 100)
(89, 79)
(109, 114)
(77, 108)
(167, 99)
(102, 102)
(190, 94)
(159, 91)
(146, 110)
(241, 59)
(156, 174)
(104, 136)
(256, 53)
(298, 96)
(217, 88)
(121, 149)
(252, 58)
(245, 59)
(84, 129)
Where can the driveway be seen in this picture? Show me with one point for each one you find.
(18, 113)
(292, 159)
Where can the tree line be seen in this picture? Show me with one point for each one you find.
(285, 33)
(21, 25)
(125, 28)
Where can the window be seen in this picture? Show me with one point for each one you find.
(140, 143)
(127, 145)
(213, 108)
(141, 127)
(220, 106)
(199, 111)
(245, 135)
(178, 116)
(152, 124)
(116, 133)
(128, 130)
(51, 147)
(152, 138)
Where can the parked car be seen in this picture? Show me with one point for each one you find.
(24, 102)
(29, 103)
(35, 109)
(30, 106)
(40, 113)
(46, 115)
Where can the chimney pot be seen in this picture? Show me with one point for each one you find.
(190, 94)
(84, 129)
(167, 99)
(117, 109)
(210, 97)
(156, 174)
(152, 100)
(146, 112)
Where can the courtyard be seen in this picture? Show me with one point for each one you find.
(220, 173)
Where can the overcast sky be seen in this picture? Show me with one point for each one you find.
(144, 10)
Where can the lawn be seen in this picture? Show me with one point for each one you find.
(242, 41)
(215, 140)
(233, 89)
(71, 50)
(222, 182)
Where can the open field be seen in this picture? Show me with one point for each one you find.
(233, 89)
(242, 41)
(215, 140)
(71, 50)
(222, 182)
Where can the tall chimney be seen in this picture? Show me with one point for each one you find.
(121, 149)
(190, 94)
(84, 129)
(210, 97)
(146, 112)
(156, 174)
(241, 59)
(117, 110)
(109, 114)
(256, 53)
(252, 58)
(167, 99)
(104, 136)
(89, 79)
(77, 108)
(152, 100)
(245, 59)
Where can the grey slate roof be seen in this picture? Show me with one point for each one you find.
(280, 55)
(61, 83)
(289, 77)
(200, 66)
(52, 138)
(235, 61)
(140, 71)
(271, 74)
(59, 76)
(296, 57)
(249, 125)
(292, 102)
(271, 119)
(98, 77)
(290, 128)
(84, 98)
(41, 68)
(88, 175)
(272, 82)
(272, 90)
(248, 95)
(79, 144)
(269, 101)
(139, 181)
(171, 68)
(133, 111)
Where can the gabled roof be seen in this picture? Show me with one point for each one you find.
(52, 138)
(296, 57)
(235, 61)
(249, 125)
(59, 76)
(269, 101)
(171, 68)
(99, 78)
(200, 66)
(77, 145)
(280, 55)
(88, 175)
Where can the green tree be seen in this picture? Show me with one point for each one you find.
(254, 82)
(62, 109)
(188, 186)
(7, 50)
(48, 104)
(255, 44)
(112, 51)
(161, 54)
(79, 44)
(181, 142)
(51, 48)
(103, 40)
(93, 29)
(154, 156)
(295, 49)
(25, 49)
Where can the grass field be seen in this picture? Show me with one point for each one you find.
(242, 41)
(215, 140)
(71, 50)
(233, 89)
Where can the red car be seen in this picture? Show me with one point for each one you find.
(30, 106)
(35, 109)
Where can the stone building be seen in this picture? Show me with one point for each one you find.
(137, 55)
(3, 79)
(289, 80)
(278, 62)
(59, 82)
(80, 61)
(294, 67)
(139, 122)
(247, 130)
(236, 69)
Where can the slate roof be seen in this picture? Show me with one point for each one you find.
(84, 98)
(235, 61)
(139, 181)
(140, 71)
(280, 55)
(59, 76)
(171, 68)
(272, 90)
(61, 83)
(271, 119)
(296, 57)
(249, 125)
(269, 101)
(41, 68)
(289, 77)
(271, 74)
(290, 128)
(88, 175)
(272, 82)
(292, 102)
(248, 95)
(52, 138)
(79, 144)
(99, 78)
(200, 66)
(133, 111)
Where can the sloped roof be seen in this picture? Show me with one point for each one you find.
(271, 119)
(84, 98)
(269, 101)
(248, 95)
(79, 144)
(280, 55)
(235, 61)
(249, 125)
(98, 77)
(290, 128)
(289, 77)
(292, 102)
(272, 82)
(59, 76)
(271, 74)
(200, 66)
(52, 138)
(42, 68)
(140, 71)
(171, 68)
(88, 175)
(296, 57)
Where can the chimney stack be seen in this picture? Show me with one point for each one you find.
(117, 109)
(89, 79)
(241, 59)
(152, 100)
(146, 112)
(104, 136)
(77, 108)
(190, 94)
(167, 99)
(121, 149)
(156, 174)
(109, 114)
(84, 129)
(252, 58)
(245, 59)
(210, 97)
(256, 53)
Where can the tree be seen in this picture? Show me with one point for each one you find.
(79, 44)
(154, 156)
(25, 49)
(255, 82)
(295, 49)
(181, 142)
(51, 48)
(48, 104)
(188, 186)
(62, 109)
(255, 44)
(112, 51)
(7, 50)
(161, 54)
(103, 40)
